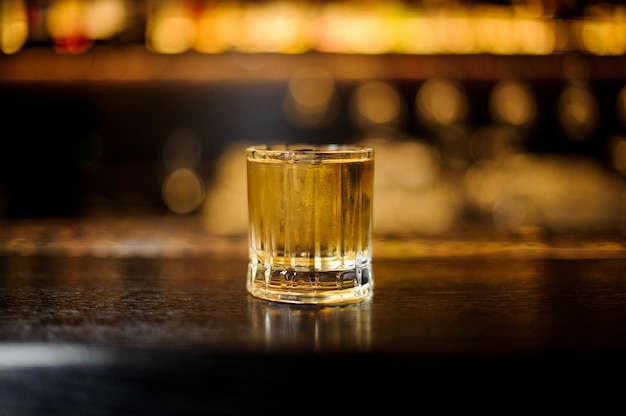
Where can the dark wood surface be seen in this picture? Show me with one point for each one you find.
(170, 334)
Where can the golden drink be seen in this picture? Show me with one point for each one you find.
(310, 211)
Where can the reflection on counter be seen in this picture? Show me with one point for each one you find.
(299, 328)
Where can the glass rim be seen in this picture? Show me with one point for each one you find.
(309, 149)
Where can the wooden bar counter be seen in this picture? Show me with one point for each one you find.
(159, 322)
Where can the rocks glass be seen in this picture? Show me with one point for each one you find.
(310, 223)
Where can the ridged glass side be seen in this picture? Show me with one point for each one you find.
(310, 225)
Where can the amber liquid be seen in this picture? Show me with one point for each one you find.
(310, 224)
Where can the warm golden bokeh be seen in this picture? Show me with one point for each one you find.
(174, 27)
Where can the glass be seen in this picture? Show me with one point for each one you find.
(310, 230)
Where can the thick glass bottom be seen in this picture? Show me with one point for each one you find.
(330, 287)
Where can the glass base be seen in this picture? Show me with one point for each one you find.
(332, 287)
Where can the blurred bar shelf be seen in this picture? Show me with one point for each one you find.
(135, 64)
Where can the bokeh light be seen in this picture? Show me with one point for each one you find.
(274, 27)
(171, 28)
(65, 22)
(512, 102)
(411, 196)
(225, 210)
(551, 192)
(341, 27)
(311, 100)
(441, 102)
(219, 26)
(354, 27)
(617, 153)
(183, 191)
(13, 26)
(578, 112)
(377, 104)
(105, 18)
(483, 135)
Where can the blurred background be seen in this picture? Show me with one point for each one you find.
(502, 117)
